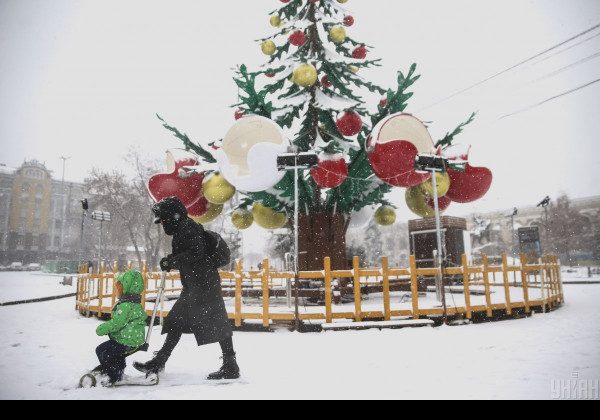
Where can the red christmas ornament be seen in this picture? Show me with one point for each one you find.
(470, 185)
(239, 114)
(199, 208)
(325, 82)
(187, 187)
(359, 53)
(383, 103)
(349, 20)
(444, 203)
(349, 124)
(331, 172)
(297, 38)
(394, 163)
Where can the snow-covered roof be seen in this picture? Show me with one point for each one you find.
(6, 170)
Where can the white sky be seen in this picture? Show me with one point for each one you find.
(84, 79)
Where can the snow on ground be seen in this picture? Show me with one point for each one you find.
(46, 347)
(15, 286)
(580, 274)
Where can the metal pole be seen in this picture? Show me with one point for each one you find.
(100, 248)
(439, 257)
(81, 237)
(297, 244)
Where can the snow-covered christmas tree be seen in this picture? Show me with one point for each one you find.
(311, 86)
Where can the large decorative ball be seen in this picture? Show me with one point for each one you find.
(305, 75)
(385, 216)
(268, 218)
(349, 123)
(418, 203)
(443, 185)
(275, 21)
(338, 34)
(297, 38)
(214, 211)
(242, 219)
(268, 48)
(217, 190)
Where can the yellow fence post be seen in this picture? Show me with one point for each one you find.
(506, 284)
(387, 307)
(551, 282)
(560, 282)
(328, 291)
(266, 293)
(486, 283)
(556, 287)
(414, 286)
(524, 279)
(467, 286)
(239, 277)
(357, 291)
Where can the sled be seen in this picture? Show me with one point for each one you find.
(92, 380)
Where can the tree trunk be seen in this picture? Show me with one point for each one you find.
(323, 235)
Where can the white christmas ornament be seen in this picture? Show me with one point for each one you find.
(248, 158)
(402, 127)
(361, 219)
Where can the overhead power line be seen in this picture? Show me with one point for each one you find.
(575, 64)
(513, 67)
(567, 49)
(529, 108)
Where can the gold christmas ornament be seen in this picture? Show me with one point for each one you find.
(443, 185)
(214, 211)
(417, 203)
(217, 190)
(275, 21)
(354, 69)
(342, 1)
(337, 34)
(305, 75)
(268, 218)
(385, 216)
(242, 219)
(268, 48)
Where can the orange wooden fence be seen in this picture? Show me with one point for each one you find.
(96, 292)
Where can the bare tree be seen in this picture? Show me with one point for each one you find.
(564, 229)
(130, 204)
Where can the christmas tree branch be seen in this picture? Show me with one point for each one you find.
(447, 141)
(188, 143)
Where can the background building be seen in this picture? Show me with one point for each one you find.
(568, 227)
(39, 216)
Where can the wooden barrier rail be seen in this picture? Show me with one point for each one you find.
(96, 291)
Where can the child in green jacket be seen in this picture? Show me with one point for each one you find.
(126, 330)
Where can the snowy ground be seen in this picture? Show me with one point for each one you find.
(580, 275)
(25, 286)
(44, 349)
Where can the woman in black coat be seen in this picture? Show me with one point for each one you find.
(200, 309)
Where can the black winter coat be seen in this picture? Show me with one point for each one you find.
(200, 309)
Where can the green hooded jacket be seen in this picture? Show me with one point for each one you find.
(128, 323)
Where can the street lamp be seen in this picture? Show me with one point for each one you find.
(101, 216)
(85, 206)
(512, 216)
(297, 162)
(436, 164)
